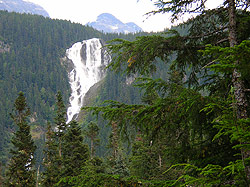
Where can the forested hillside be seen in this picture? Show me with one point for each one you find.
(32, 65)
(31, 49)
(188, 126)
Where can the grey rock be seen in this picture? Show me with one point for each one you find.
(110, 24)
(21, 6)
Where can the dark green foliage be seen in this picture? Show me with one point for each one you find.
(21, 167)
(117, 87)
(50, 174)
(93, 174)
(179, 8)
(75, 152)
(53, 162)
(142, 154)
(184, 131)
(60, 119)
(32, 62)
(92, 133)
(65, 152)
(60, 130)
(1, 177)
(174, 121)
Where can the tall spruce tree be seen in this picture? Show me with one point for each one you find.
(179, 8)
(60, 121)
(1, 176)
(53, 161)
(75, 152)
(21, 167)
(142, 153)
(50, 175)
(92, 133)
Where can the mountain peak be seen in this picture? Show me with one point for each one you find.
(106, 15)
(22, 6)
(106, 22)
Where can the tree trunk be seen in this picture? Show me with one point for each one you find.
(92, 147)
(1, 177)
(60, 148)
(37, 176)
(160, 161)
(239, 89)
(115, 139)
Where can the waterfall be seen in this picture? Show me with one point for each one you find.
(89, 59)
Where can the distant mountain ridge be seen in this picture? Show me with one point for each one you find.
(110, 24)
(22, 6)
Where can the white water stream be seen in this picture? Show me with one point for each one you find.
(89, 59)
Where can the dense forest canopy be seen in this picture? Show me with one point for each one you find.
(31, 51)
(190, 125)
(197, 120)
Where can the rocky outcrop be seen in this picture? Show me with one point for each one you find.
(21, 6)
(4, 47)
(110, 24)
(90, 98)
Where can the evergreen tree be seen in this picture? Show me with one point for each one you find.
(177, 111)
(1, 176)
(53, 160)
(92, 132)
(117, 161)
(141, 154)
(60, 121)
(33, 64)
(50, 161)
(74, 152)
(21, 167)
(114, 141)
(179, 8)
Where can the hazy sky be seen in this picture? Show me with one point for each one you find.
(83, 11)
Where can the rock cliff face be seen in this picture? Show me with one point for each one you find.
(90, 98)
(110, 24)
(22, 6)
(4, 47)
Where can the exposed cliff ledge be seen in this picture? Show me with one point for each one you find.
(89, 98)
(4, 48)
(67, 63)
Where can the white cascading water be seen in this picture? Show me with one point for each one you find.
(90, 60)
